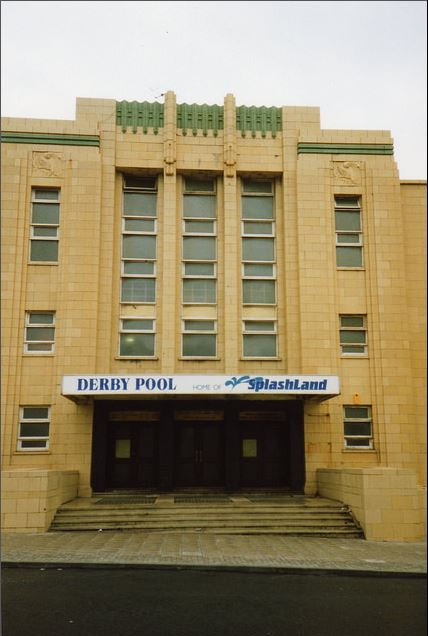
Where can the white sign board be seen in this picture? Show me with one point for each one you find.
(142, 385)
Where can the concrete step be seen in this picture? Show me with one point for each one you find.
(164, 523)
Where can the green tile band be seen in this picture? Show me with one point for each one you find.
(252, 119)
(203, 117)
(50, 139)
(136, 115)
(345, 149)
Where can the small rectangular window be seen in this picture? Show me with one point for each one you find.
(199, 338)
(349, 238)
(199, 248)
(258, 292)
(256, 186)
(44, 234)
(137, 338)
(199, 269)
(138, 290)
(33, 431)
(353, 335)
(258, 249)
(259, 339)
(358, 427)
(39, 332)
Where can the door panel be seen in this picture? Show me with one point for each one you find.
(199, 454)
(132, 455)
(263, 450)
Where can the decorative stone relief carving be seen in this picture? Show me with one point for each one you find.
(347, 172)
(48, 164)
(230, 160)
(169, 158)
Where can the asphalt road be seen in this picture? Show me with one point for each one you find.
(126, 602)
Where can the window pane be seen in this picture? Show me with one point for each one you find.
(137, 325)
(135, 267)
(349, 256)
(40, 333)
(52, 195)
(254, 269)
(348, 221)
(257, 207)
(139, 225)
(258, 249)
(358, 442)
(199, 291)
(249, 448)
(46, 213)
(137, 344)
(35, 412)
(353, 337)
(348, 238)
(198, 185)
(352, 321)
(139, 204)
(40, 319)
(149, 183)
(45, 231)
(195, 206)
(199, 345)
(199, 248)
(199, 269)
(347, 202)
(260, 346)
(34, 430)
(33, 444)
(259, 325)
(39, 347)
(199, 227)
(353, 349)
(135, 246)
(257, 186)
(356, 412)
(138, 290)
(259, 291)
(358, 428)
(44, 251)
(257, 228)
(199, 325)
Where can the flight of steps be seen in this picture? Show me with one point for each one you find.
(240, 515)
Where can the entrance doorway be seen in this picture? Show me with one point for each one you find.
(199, 454)
(264, 454)
(132, 455)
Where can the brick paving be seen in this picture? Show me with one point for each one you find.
(184, 549)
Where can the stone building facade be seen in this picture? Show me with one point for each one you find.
(211, 297)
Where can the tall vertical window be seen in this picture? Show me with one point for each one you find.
(137, 338)
(39, 332)
(258, 243)
(199, 241)
(349, 236)
(139, 240)
(358, 427)
(353, 335)
(44, 233)
(33, 431)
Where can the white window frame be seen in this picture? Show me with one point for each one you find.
(259, 332)
(199, 302)
(198, 332)
(363, 328)
(152, 331)
(51, 325)
(125, 216)
(207, 276)
(338, 207)
(34, 438)
(368, 419)
(247, 303)
(33, 224)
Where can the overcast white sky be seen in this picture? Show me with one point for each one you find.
(362, 63)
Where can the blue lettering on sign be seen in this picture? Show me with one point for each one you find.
(264, 384)
(150, 384)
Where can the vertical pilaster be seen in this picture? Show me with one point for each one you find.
(167, 298)
(231, 240)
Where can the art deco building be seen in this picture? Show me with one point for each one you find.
(213, 297)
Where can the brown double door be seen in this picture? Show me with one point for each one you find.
(199, 454)
(133, 455)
